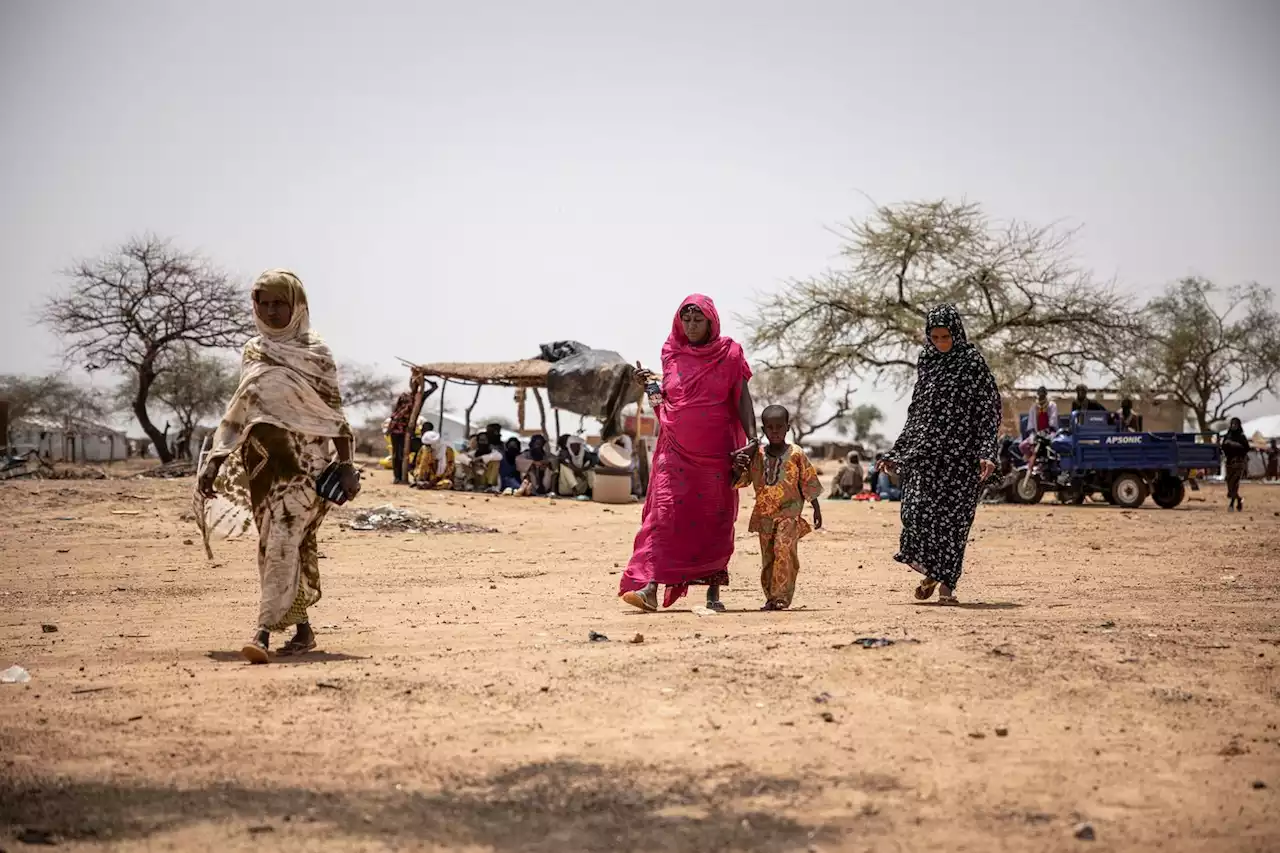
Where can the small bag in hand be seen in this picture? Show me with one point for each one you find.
(329, 484)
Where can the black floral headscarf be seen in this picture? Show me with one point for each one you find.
(955, 408)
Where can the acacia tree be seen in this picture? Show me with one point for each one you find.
(135, 308)
(804, 396)
(864, 419)
(1024, 300)
(1214, 351)
(52, 396)
(363, 386)
(192, 386)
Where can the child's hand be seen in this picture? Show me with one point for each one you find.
(817, 516)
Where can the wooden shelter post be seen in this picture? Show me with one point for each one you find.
(542, 410)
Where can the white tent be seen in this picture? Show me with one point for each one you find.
(1268, 426)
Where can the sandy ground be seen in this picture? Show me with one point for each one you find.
(1110, 667)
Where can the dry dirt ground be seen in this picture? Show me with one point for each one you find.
(1110, 667)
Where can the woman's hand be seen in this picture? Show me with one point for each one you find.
(886, 466)
(350, 479)
(643, 376)
(208, 477)
(985, 469)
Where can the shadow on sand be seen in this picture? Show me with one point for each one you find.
(290, 660)
(544, 807)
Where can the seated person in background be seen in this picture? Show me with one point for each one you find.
(476, 470)
(1041, 417)
(509, 477)
(848, 480)
(436, 463)
(1128, 419)
(576, 461)
(494, 433)
(535, 468)
(1082, 403)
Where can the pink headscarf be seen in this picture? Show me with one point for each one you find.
(687, 369)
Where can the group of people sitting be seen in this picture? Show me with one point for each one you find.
(852, 484)
(489, 463)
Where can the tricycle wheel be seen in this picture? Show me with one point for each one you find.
(1168, 491)
(1028, 489)
(1129, 490)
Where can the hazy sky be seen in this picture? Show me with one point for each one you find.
(464, 181)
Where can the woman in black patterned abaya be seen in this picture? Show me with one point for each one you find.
(945, 452)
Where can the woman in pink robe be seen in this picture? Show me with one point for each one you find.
(686, 531)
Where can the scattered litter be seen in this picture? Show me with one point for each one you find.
(192, 542)
(1228, 578)
(66, 518)
(1107, 624)
(134, 719)
(171, 471)
(328, 685)
(48, 629)
(126, 512)
(597, 637)
(828, 717)
(1084, 832)
(15, 675)
(822, 698)
(978, 735)
(261, 830)
(1001, 652)
(393, 519)
(878, 642)
(703, 611)
(637, 639)
(64, 550)
(90, 690)
(667, 691)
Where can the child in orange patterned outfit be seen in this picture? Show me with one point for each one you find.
(784, 481)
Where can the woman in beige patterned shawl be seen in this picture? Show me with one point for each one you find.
(272, 443)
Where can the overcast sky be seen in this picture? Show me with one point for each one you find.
(462, 181)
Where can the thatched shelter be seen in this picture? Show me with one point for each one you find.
(529, 373)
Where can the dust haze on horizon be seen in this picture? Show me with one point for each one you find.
(463, 182)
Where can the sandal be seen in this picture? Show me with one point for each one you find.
(637, 598)
(715, 606)
(255, 651)
(297, 647)
(948, 600)
(925, 590)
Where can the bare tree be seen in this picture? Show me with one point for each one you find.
(804, 395)
(133, 309)
(52, 396)
(1215, 351)
(1032, 310)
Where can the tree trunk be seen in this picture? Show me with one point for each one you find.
(146, 376)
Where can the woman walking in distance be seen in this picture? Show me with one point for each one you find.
(272, 445)
(945, 452)
(705, 414)
(1235, 447)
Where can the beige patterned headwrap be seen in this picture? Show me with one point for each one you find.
(287, 378)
